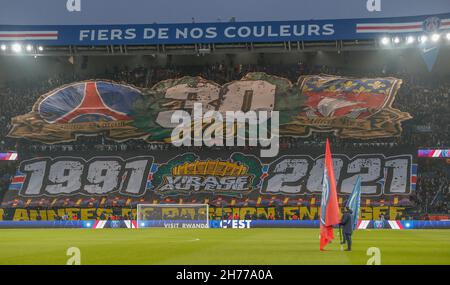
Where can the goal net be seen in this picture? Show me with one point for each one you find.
(172, 216)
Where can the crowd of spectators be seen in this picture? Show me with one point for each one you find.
(427, 100)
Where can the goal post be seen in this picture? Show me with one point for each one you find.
(172, 216)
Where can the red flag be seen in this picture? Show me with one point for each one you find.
(329, 207)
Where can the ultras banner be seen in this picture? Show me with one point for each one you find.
(348, 107)
(217, 178)
(264, 24)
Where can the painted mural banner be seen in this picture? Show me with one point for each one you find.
(225, 179)
(248, 22)
(348, 107)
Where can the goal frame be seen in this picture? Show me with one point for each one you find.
(138, 206)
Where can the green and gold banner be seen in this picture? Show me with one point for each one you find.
(348, 107)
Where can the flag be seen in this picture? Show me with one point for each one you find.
(429, 54)
(354, 201)
(329, 207)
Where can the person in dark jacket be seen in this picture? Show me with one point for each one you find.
(347, 227)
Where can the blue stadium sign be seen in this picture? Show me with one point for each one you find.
(137, 22)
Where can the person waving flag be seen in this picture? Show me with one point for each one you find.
(329, 207)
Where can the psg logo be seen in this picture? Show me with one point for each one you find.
(431, 24)
(89, 101)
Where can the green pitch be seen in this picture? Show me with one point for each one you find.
(219, 246)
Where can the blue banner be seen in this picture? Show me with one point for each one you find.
(223, 32)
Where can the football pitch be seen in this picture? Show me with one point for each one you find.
(219, 246)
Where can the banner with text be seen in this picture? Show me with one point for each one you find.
(348, 107)
(261, 213)
(217, 178)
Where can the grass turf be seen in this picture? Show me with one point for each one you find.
(219, 246)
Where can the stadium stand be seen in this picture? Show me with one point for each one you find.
(425, 98)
